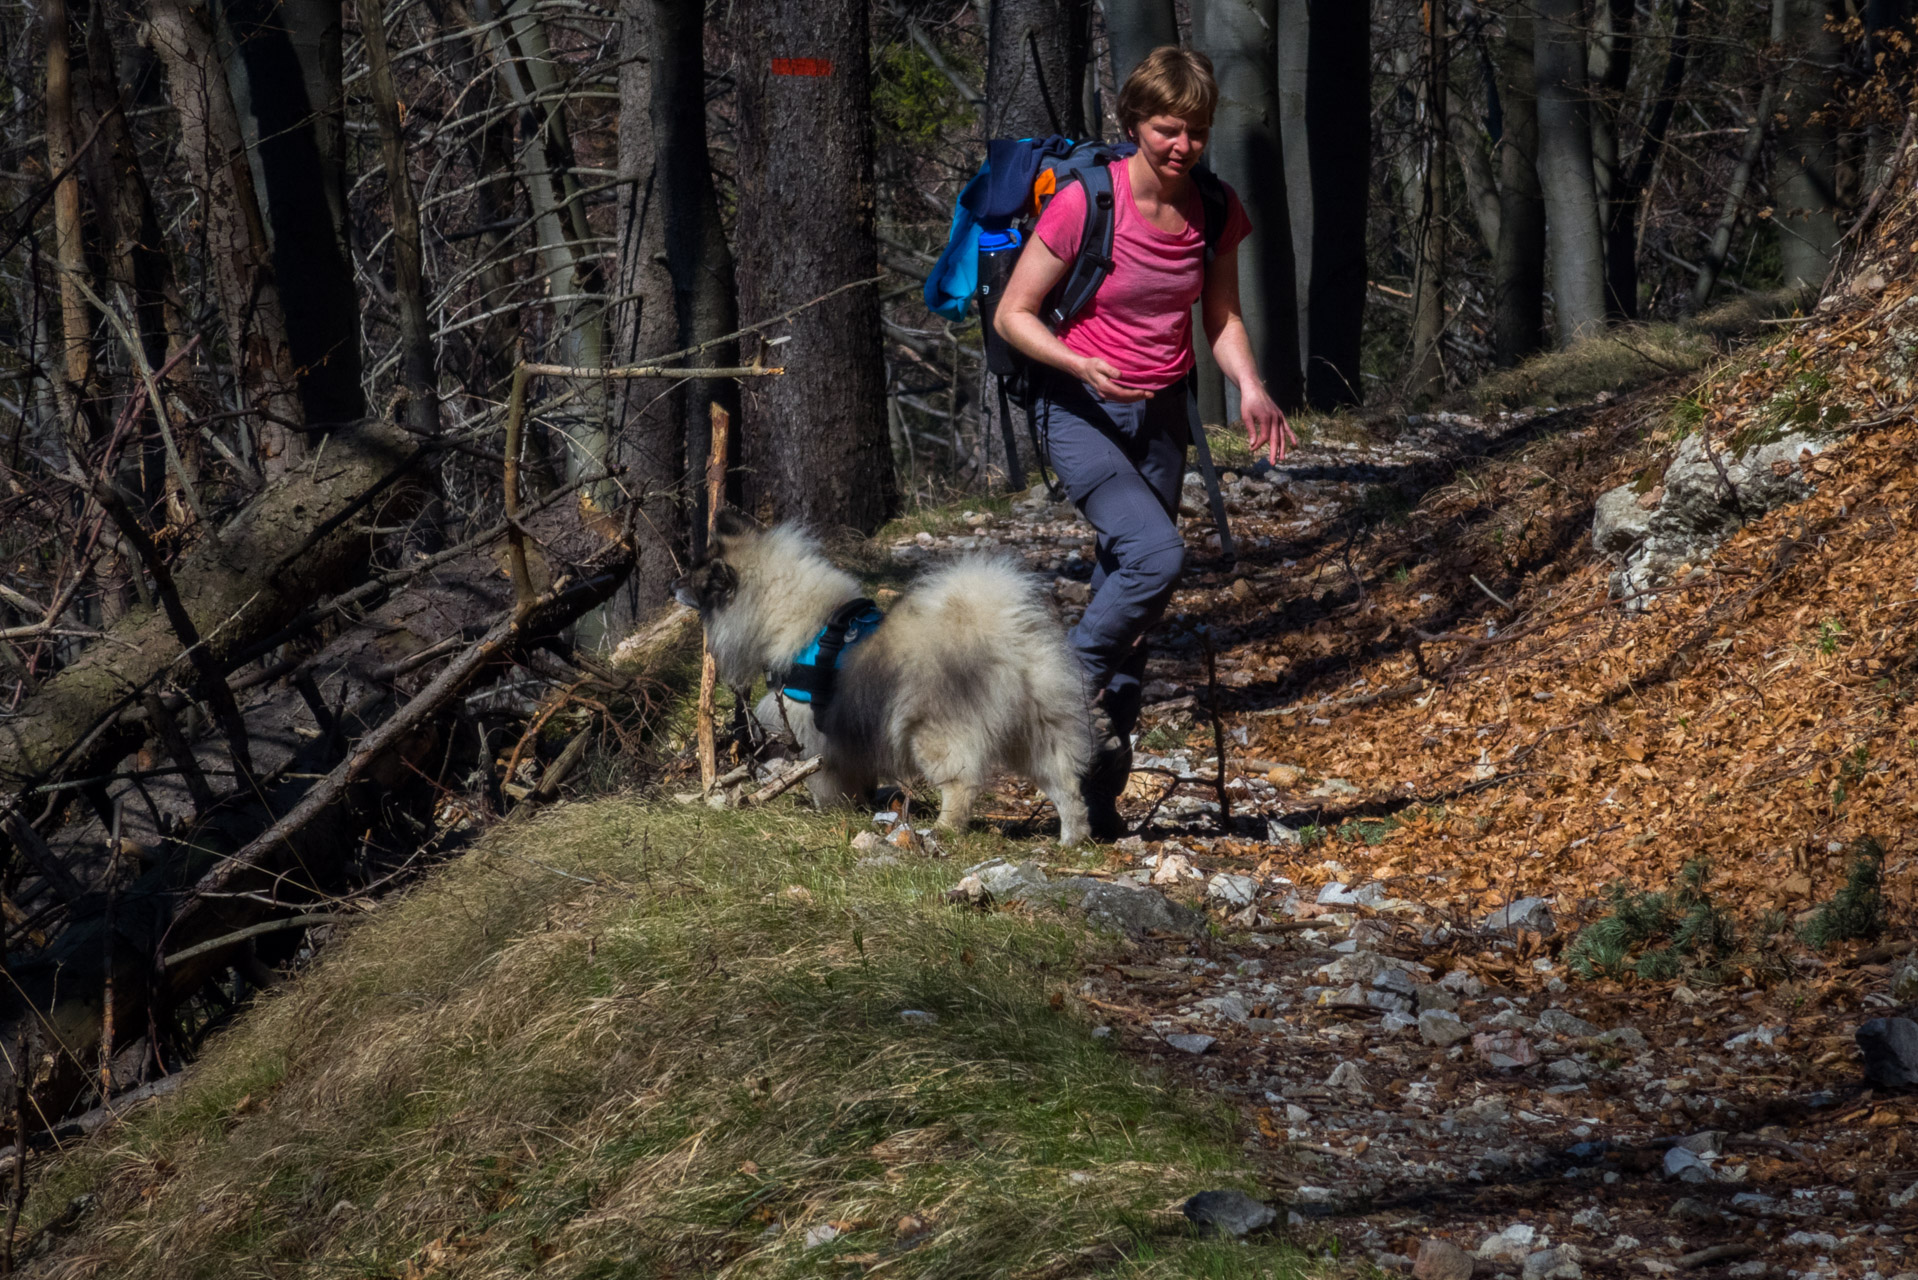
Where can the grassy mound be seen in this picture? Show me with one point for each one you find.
(1615, 361)
(621, 1040)
(1632, 356)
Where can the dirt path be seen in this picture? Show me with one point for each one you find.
(1388, 1001)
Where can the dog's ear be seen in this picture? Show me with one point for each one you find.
(709, 587)
(732, 524)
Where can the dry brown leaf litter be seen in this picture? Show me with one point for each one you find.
(1432, 673)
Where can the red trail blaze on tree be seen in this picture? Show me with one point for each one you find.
(802, 66)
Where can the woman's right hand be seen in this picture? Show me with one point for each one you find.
(1104, 381)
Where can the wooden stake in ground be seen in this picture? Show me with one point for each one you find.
(708, 671)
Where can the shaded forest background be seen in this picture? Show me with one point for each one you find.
(360, 364)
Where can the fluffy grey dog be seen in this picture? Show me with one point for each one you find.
(968, 674)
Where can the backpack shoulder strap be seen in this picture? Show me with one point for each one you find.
(1213, 204)
(1094, 261)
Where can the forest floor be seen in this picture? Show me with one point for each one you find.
(1535, 939)
(1446, 758)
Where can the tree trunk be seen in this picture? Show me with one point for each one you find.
(1609, 68)
(1621, 225)
(816, 441)
(697, 255)
(1248, 151)
(568, 257)
(1719, 250)
(1519, 290)
(418, 374)
(76, 321)
(1426, 377)
(649, 425)
(1035, 62)
(1565, 171)
(233, 231)
(132, 246)
(285, 67)
(1295, 89)
(1135, 28)
(1467, 137)
(1805, 197)
(1338, 127)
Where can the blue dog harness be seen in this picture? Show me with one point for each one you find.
(815, 671)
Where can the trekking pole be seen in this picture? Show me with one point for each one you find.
(1211, 477)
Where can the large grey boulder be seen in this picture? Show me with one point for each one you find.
(1704, 498)
(1620, 521)
(1890, 1047)
(1228, 1213)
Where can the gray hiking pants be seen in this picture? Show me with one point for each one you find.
(1121, 464)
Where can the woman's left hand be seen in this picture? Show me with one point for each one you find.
(1265, 424)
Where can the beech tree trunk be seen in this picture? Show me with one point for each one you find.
(1135, 28)
(1577, 249)
(1805, 197)
(1295, 84)
(417, 372)
(1247, 149)
(816, 442)
(1719, 251)
(1519, 262)
(1338, 129)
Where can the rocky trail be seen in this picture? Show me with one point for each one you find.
(1441, 746)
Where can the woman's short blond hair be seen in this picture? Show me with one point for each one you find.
(1169, 81)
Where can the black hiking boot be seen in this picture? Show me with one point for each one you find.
(1105, 778)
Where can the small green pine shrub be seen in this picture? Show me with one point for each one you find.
(1660, 936)
(1858, 909)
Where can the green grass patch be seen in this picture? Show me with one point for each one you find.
(622, 1039)
(943, 519)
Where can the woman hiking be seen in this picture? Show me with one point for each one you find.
(1114, 382)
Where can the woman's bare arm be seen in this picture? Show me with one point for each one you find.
(1265, 424)
(1018, 322)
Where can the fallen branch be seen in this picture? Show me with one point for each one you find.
(1714, 1253)
(651, 371)
(251, 931)
(778, 786)
(329, 792)
(100, 1117)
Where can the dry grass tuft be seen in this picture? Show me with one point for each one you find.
(1616, 361)
(623, 1040)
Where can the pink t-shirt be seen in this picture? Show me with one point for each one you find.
(1140, 321)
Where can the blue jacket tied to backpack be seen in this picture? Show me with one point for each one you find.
(997, 197)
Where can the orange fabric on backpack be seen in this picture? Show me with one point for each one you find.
(1044, 187)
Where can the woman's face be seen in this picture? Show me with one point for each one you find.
(1171, 144)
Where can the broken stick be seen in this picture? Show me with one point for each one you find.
(708, 669)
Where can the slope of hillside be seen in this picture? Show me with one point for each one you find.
(626, 1041)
